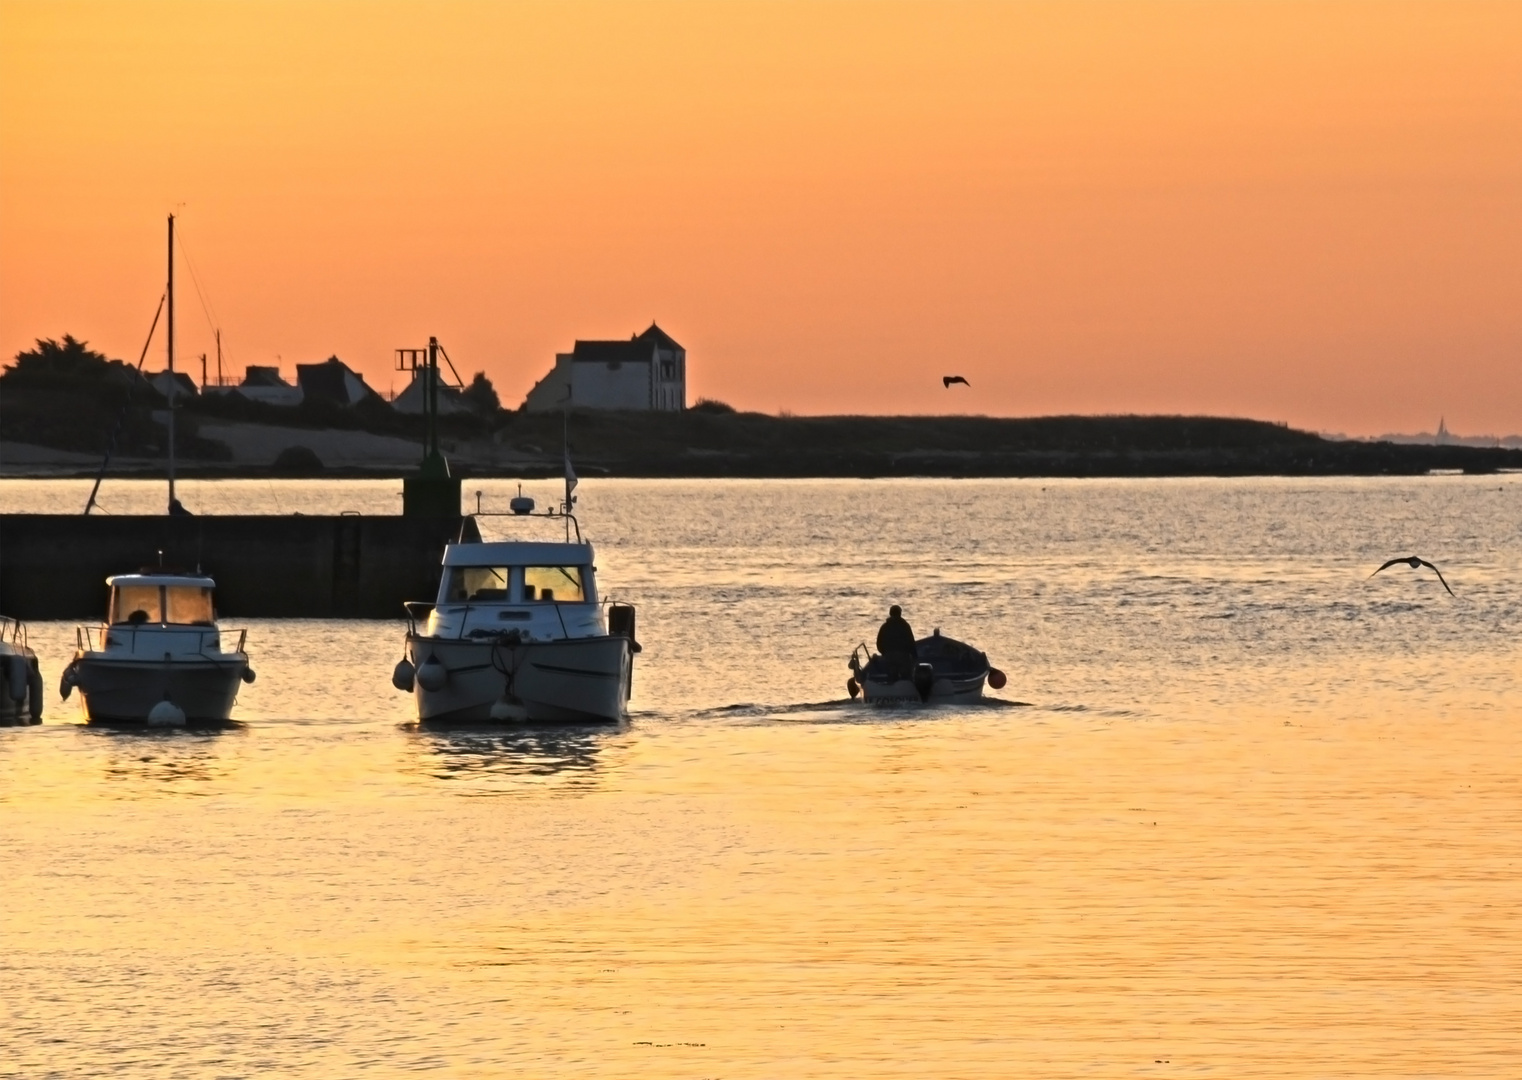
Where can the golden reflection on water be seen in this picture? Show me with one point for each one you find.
(1259, 819)
(1028, 892)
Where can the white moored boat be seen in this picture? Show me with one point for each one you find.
(160, 658)
(20, 678)
(518, 633)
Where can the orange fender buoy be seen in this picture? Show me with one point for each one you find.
(852, 688)
(996, 678)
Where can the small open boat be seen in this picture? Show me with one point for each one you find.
(160, 659)
(945, 671)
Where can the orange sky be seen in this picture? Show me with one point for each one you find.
(1309, 213)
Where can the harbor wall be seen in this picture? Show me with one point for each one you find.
(54, 566)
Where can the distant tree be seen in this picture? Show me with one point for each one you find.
(481, 396)
(66, 361)
(709, 405)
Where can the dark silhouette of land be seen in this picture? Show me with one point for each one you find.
(65, 397)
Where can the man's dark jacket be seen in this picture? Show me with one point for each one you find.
(896, 636)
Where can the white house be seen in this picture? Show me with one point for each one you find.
(648, 373)
(414, 399)
(263, 383)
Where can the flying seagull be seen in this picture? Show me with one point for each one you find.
(1414, 562)
(947, 380)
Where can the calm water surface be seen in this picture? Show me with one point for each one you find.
(1242, 811)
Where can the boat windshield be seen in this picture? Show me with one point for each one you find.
(185, 605)
(136, 604)
(558, 583)
(477, 583)
(189, 604)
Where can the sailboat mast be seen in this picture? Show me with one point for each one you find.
(169, 327)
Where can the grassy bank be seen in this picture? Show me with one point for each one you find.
(719, 443)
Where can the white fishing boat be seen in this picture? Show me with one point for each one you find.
(945, 671)
(519, 632)
(160, 657)
(20, 677)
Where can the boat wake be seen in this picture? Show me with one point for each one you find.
(848, 710)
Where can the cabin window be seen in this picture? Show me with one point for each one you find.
(557, 583)
(136, 604)
(468, 583)
(189, 604)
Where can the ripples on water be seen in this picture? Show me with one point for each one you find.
(1255, 816)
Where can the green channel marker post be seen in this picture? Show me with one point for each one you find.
(432, 492)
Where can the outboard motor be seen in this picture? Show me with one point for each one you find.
(621, 622)
(924, 679)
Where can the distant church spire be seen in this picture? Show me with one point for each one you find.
(1442, 432)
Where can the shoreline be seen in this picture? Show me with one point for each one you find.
(713, 445)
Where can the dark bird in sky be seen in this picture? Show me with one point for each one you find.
(1413, 562)
(947, 380)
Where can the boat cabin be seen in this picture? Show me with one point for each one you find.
(161, 599)
(157, 615)
(542, 590)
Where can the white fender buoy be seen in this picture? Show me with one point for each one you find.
(248, 674)
(432, 675)
(15, 677)
(166, 714)
(505, 708)
(402, 675)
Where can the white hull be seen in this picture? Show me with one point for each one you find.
(126, 690)
(943, 691)
(567, 680)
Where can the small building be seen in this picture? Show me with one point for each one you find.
(334, 381)
(263, 383)
(414, 399)
(646, 373)
(175, 383)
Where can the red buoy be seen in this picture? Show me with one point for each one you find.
(996, 678)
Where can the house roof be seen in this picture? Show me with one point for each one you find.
(263, 375)
(414, 399)
(639, 349)
(330, 381)
(659, 338)
(632, 351)
(162, 379)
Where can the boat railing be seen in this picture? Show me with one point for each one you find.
(552, 514)
(417, 611)
(207, 638)
(12, 631)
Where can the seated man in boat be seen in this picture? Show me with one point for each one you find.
(895, 641)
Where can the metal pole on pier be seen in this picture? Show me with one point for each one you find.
(169, 328)
(432, 407)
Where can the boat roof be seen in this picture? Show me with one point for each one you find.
(197, 580)
(517, 553)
